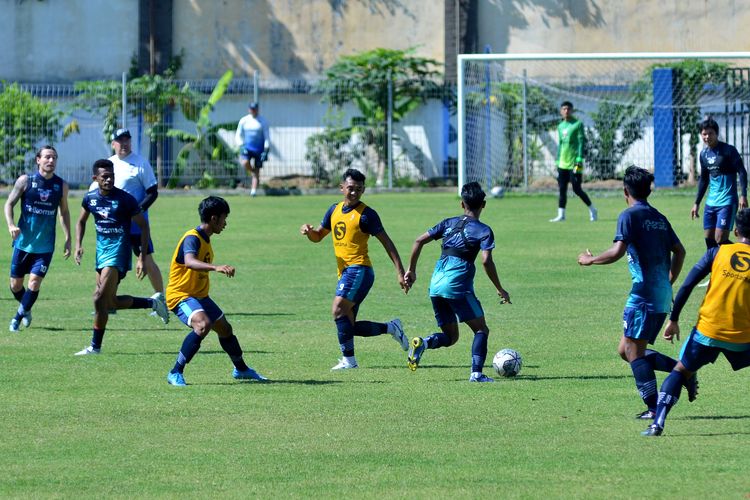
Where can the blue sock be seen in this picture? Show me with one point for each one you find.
(27, 302)
(668, 396)
(97, 338)
(19, 294)
(345, 331)
(478, 351)
(645, 381)
(369, 329)
(437, 340)
(660, 362)
(232, 347)
(190, 346)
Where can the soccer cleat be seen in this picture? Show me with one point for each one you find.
(691, 385)
(593, 214)
(416, 350)
(26, 319)
(248, 374)
(480, 377)
(159, 305)
(88, 350)
(646, 415)
(398, 333)
(13, 327)
(343, 364)
(559, 218)
(653, 430)
(176, 379)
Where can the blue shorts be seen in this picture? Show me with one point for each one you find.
(639, 323)
(253, 156)
(191, 305)
(135, 243)
(464, 309)
(355, 283)
(719, 217)
(23, 263)
(694, 354)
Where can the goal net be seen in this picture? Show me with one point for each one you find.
(637, 108)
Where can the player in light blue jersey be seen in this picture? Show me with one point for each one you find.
(113, 209)
(452, 284)
(721, 165)
(655, 257)
(253, 139)
(43, 195)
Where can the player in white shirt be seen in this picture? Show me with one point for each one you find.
(252, 137)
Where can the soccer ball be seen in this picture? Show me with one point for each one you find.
(497, 192)
(507, 363)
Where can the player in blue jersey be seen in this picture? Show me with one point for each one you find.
(655, 257)
(351, 223)
(452, 284)
(113, 209)
(43, 195)
(721, 165)
(252, 136)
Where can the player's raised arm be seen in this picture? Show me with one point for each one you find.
(612, 254)
(390, 249)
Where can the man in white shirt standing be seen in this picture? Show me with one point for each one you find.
(252, 136)
(134, 175)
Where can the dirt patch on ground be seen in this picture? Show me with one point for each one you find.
(291, 181)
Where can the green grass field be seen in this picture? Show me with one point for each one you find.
(110, 425)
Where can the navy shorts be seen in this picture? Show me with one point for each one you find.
(694, 355)
(191, 305)
(135, 243)
(719, 217)
(639, 323)
(464, 308)
(355, 283)
(252, 156)
(23, 263)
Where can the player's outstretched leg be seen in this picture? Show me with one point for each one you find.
(396, 330)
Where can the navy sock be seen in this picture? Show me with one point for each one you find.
(97, 338)
(369, 329)
(345, 331)
(668, 396)
(437, 340)
(27, 302)
(19, 294)
(645, 381)
(660, 362)
(142, 303)
(232, 347)
(478, 351)
(190, 346)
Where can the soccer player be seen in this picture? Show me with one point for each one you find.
(187, 293)
(655, 258)
(113, 209)
(352, 223)
(721, 164)
(134, 175)
(252, 135)
(452, 284)
(571, 139)
(42, 195)
(723, 323)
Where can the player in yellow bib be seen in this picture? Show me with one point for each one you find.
(351, 223)
(187, 293)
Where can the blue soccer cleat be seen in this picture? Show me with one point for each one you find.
(176, 379)
(653, 430)
(480, 377)
(26, 319)
(13, 327)
(248, 374)
(416, 349)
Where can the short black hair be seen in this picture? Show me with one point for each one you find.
(743, 222)
(568, 104)
(638, 182)
(213, 205)
(472, 195)
(355, 174)
(710, 123)
(103, 164)
(46, 146)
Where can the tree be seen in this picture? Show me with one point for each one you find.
(363, 79)
(616, 127)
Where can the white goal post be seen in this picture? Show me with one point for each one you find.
(638, 107)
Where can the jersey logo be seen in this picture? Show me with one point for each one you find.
(103, 212)
(92, 203)
(339, 230)
(44, 194)
(740, 261)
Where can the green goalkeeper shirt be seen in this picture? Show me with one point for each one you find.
(571, 137)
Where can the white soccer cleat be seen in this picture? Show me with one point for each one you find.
(160, 306)
(26, 319)
(397, 332)
(88, 350)
(343, 364)
(13, 327)
(593, 214)
(559, 218)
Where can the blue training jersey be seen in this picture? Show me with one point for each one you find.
(720, 168)
(463, 238)
(39, 204)
(649, 237)
(112, 215)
